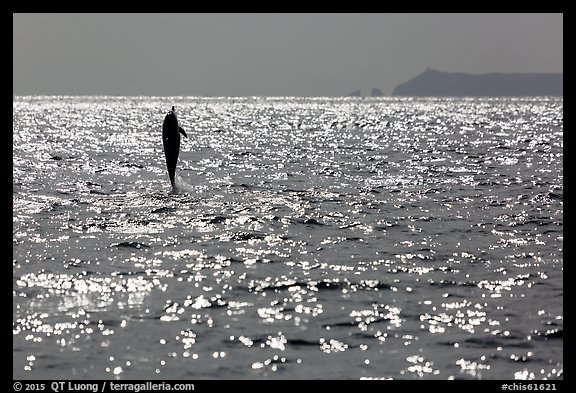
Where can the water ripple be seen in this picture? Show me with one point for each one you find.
(331, 238)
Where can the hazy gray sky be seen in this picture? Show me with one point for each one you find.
(270, 54)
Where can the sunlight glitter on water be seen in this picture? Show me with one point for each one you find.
(403, 238)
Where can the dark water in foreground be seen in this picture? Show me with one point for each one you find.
(315, 238)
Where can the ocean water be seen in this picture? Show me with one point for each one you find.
(312, 238)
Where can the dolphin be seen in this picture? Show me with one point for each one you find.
(171, 131)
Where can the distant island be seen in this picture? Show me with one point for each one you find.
(438, 83)
(374, 93)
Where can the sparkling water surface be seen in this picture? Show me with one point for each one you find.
(312, 238)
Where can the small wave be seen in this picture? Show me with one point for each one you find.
(216, 219)
(547, 198)
(306, 221)
(297, 342)
(330, 285)
(556, 196)
(98, 192)
(451, 283)
(558, 333)
(550, 334)
(340, 324)
(244, 185)
(494, 342)
(352, 225)
(242, 236)
(127, 164)
(294, 191)
(135, 245)
(162, 210)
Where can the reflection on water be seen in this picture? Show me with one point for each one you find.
(383, 238)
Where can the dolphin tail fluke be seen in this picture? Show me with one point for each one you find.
(182, 131)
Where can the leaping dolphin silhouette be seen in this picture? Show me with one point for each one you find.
(171, 131)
